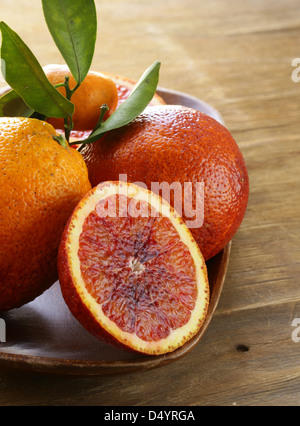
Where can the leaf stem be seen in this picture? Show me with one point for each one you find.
(104, 108)
(61, 140)
(68, 121)
(59, 85)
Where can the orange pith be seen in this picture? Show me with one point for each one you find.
(141, 277)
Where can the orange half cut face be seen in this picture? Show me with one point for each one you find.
(131, 272)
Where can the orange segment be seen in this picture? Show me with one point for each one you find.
(135, 267)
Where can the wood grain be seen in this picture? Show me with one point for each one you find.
(235, 55)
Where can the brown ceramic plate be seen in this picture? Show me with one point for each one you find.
(43, 335)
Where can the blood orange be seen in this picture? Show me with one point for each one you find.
(172, 143)
(131, 272)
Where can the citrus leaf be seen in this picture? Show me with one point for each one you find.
(25, 75)
(73, 26)
(133, 106)
(12, 105)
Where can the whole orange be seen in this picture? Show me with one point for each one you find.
(96, 89)
(178, 144)
(41, 183)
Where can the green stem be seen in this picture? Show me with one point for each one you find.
(61, 140)
(59, 85)
(68, 121)
(104, 108)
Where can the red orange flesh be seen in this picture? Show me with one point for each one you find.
(135, 278)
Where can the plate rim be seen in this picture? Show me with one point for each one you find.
(161, 91)
(96, 368)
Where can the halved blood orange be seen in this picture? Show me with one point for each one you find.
(130, 270)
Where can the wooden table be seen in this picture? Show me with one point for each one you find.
(235, 55)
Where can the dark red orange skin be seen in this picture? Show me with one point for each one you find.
(74, 301)
(171, 144)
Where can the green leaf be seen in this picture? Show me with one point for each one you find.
(134, 105)
(12, 105)
(73, 26)
(25, 75)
